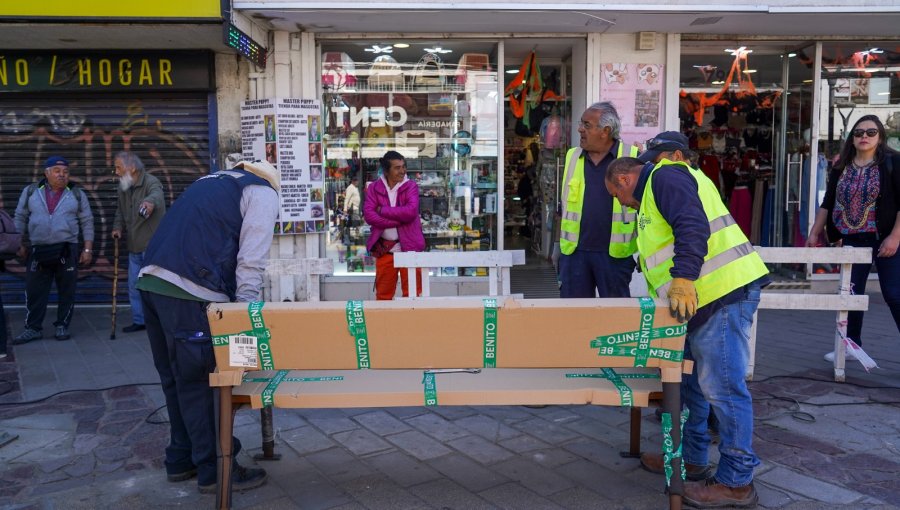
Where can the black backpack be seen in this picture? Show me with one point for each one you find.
(10, 238)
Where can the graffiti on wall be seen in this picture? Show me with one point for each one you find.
(174, 151)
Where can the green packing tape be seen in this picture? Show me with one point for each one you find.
(262, 335)
(626, 398)
(634, 336)
(430, 386)
(268, 394)
(653, 352)
(669, 452)
(648, 308)
(621, 376)
(356, 323)
(296, 379)
(490, 333)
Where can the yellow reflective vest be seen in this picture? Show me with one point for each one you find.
(622, 238)
(731, 261)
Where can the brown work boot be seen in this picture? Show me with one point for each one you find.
(712, 494)
(655, 463)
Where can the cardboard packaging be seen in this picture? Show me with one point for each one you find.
(397, 388)
(453, 332)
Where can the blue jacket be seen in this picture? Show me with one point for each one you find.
(199, 238)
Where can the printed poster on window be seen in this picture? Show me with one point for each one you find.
(288, 134)
(636, 92)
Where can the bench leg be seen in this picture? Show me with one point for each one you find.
(226, 429)
(266, 425)
(672, 405)
(634, 442)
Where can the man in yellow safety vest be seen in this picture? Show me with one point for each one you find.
(692, 252)
(596, 239)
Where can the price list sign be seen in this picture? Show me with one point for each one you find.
(288, 134)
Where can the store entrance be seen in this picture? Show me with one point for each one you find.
(537, 125)
(747, 111)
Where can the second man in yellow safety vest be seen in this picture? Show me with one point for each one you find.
(694, 254)
(596, 239)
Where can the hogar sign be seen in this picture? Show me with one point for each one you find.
(376, 116)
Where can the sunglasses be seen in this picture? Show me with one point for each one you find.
(871, 132)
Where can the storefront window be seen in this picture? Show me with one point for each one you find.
(434, 102)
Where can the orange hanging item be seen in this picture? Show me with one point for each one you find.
(526, 90)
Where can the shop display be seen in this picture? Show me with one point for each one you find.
(430, 109)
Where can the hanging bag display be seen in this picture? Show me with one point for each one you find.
(471, 62)
(429, 71)
(385, 72)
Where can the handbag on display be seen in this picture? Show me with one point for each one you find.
(428, 71)
(441, 104)
(379, 136)
(424, 141)
(338, 70)
(471, 62)
(385, 72)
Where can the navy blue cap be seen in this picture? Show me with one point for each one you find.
(663, 142)
(55, 160)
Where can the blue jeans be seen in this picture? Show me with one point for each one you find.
(585, 272)
(720, 349)
(888, 277)
(135, 262)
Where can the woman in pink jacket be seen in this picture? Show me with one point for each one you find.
(392, 210)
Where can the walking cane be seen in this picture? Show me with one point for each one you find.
(115, 289)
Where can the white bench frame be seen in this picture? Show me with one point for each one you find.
(842, 302)
(497, 262)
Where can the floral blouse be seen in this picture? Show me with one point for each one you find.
(854, 206)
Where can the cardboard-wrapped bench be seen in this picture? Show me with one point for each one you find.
(449, 351)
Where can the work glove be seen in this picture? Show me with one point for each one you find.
(682, 299)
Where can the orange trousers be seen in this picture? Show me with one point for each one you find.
(386, 278)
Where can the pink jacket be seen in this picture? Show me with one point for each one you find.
(404, 217)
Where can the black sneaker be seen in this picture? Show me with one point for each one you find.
(62, 333)
(180, 477)
(134, 328)
(242, 479)
(27, 336)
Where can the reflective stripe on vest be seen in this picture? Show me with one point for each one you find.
(622, 242)
(727, 245)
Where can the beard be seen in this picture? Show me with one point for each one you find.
(126, 181)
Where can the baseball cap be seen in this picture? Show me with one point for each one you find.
(55, 160)
(663, 142)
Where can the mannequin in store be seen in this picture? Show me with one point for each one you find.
(596, 233)
(862, 208)
(392, 210)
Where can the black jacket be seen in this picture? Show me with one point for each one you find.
(886, 205)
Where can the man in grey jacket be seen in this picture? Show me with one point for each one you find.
(141, 208)
(51, 214)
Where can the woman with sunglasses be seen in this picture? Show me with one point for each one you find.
(862, 208)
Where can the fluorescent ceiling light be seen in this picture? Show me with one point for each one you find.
(401, 45)
(512, 71)
(749, 71)
(718, 82)
(438, 49)
(792, 55)
(376, 49)
(739, 52)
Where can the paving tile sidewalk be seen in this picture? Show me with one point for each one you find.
(96, 449)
